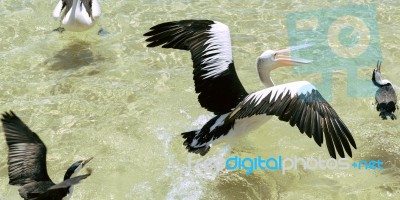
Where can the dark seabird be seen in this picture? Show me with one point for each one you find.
(385, 96)
(238, 112)
(27, 164)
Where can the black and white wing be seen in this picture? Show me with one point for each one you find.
(92, 8)
(88, 6)
(26, 152)
(214, 73)
(58, 191)
(300, 104)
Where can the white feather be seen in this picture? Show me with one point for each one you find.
(220, 43)
(295, 88)
(244, 126)
(219, 121)
(241, 128)
(57, 10)
(96, 11)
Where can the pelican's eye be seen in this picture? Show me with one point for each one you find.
(275, 56)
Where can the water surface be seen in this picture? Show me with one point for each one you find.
(112, 98)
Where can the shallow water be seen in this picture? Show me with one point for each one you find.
(112, 98)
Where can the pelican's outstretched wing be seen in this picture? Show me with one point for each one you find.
(26, 152)
(214, 73)
(300, 104)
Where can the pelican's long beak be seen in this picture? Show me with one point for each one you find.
(378, 66)
(285, 60)
(86, 161)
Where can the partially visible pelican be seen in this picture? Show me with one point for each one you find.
(238, 112)
(385, 96)
(27, 164)
(76, 15)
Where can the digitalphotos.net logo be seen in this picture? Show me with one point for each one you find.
(215, 164)
(286, 164)
(344, 38)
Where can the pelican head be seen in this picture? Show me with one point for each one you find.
(377, 70)
(377, 78)
(272, 59)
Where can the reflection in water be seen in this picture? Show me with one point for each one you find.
(75, 55)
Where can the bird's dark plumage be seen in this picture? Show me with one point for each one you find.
(27, 152)
(215, 78)
(27, 162)
(57, 192)
(385, 96)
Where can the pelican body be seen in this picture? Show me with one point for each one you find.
(237, 112)
(385, 96)
(76, 15)
(27, 164)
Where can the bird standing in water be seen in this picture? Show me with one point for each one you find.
(385, 96)
(27, 164)
(76, 15)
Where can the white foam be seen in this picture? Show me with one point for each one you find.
(200, 121)
(190, 177)
(196, 175)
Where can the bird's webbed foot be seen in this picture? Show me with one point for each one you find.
(59, 29)
(383, 115)
(102, 32)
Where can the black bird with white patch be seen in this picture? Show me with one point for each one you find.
(385, 96)
(238, 112)
(27, 164)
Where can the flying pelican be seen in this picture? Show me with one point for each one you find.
(385, 96)
(27, 164)
(76, 15)
(238, 112)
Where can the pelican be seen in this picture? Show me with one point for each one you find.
(27, 164)
(236, 111)
(76, 15)
(385, 96)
